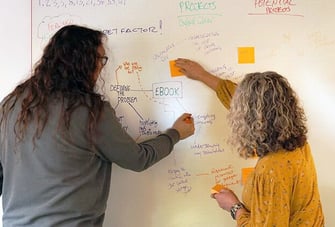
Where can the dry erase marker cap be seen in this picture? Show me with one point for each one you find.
(188, 120)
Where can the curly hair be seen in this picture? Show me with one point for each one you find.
(265, 116)
(64, 72)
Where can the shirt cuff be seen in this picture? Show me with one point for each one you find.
(173, 135)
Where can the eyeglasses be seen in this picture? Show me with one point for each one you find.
(104, 60)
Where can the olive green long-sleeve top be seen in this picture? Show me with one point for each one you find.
(282, 190)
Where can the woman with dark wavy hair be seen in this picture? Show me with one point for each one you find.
(267, 122)
(59, 138)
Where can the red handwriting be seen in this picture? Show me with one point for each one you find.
(132, 67)
(278, 7)
(274, 3)
(225, 175)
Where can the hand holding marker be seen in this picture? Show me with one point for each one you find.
(188, 119)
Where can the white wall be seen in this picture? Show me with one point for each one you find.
(14, 45)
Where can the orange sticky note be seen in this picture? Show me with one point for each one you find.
(245, 173)
(246, 55)
(174, 70)
(217, 188)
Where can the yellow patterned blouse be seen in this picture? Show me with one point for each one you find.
(282, 190)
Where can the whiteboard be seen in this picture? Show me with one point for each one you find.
(292, 37)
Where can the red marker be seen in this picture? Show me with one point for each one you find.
(188, 120)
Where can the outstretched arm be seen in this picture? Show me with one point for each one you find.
(224, 89)
(195, 71)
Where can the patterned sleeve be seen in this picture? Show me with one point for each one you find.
(270, 203)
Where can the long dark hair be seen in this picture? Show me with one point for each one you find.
(65, 71)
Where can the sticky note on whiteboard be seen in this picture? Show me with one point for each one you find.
(174, 70)
(246, 55)
(217, 188)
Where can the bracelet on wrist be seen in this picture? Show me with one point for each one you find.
(235, 208)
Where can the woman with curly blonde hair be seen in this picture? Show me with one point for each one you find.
(265, 116)
(267, 122)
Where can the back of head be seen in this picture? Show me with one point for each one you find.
(265, 115)
(65, 72)
(69, 60)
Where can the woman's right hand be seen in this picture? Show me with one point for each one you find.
(195, 71)
(184, 125)
(191, 69)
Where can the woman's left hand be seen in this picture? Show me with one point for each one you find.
(226, 198)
